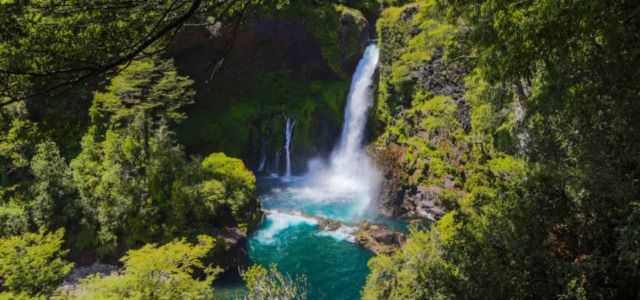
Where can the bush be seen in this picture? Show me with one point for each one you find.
(271, 284)
(156, 272)
(33, 263)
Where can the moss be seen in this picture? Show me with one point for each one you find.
(258, 105)
(336, 27)
(353, 25)
(256, 98)
(425, 125)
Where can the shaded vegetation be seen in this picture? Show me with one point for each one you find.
(549, 179)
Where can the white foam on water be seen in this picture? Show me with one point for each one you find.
(343, 233)
(349, 179)
(279, 221)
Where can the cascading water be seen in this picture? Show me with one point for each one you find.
(288, 131)
(276, 164)
(263, 155)
(340, 188)
(350, 175)
(358, 104)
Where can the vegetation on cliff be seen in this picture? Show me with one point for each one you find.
(544, 176)
(131, 183)
(511, 128)
(155, 272)
(293, 60)
(91, 158)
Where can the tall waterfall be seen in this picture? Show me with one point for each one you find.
(350, 176)
(358, 104)
(288, 130)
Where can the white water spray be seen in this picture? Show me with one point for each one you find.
(288, 130)
(350, 175)
(341, 188)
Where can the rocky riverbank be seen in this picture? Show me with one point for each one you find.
(377, 238)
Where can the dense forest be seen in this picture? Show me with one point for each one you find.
(134, 136)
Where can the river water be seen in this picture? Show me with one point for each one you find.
(341, 188)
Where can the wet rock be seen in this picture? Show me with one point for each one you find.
(379, 238)
(328, 224)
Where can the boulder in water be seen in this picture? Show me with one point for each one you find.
(379, 238)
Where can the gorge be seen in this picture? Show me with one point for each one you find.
(319, 149)
(342, 188)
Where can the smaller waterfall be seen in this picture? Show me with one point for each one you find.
(288, 131)
(263, 155)
(276, 164)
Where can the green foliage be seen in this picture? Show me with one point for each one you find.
(258, 102)
(156, 272)
(44, 49)
(18, 138)
(419, 271)
(266, 284)
(149, 88)
(549, 170)
(32, 264)
(232, 184)
(52, 189)
(13, 219)
(35, 186)
(134, 182)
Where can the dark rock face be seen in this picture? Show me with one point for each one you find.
(268, 56)
(264, 44)
(378, 238)
(354, 36)
(417, 206)
(234, 255)
(447, 79)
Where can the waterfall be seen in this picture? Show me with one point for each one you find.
(276, 164)
(358, 104)
(350, 176)
(288, 130)
(263, 155)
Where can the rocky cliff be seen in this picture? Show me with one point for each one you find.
(294, 62)
(421, 120)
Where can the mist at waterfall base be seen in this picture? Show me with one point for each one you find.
(339, 188)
